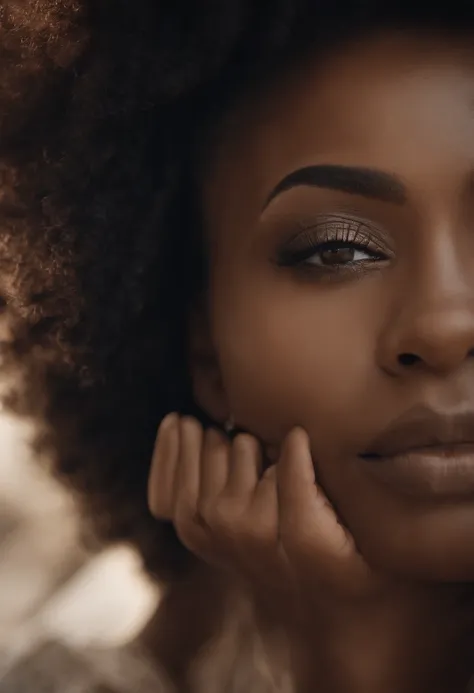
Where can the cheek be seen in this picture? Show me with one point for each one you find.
(294, 354)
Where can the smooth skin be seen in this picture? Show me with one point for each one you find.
(337, 305)
(322, 346)
(348, 627)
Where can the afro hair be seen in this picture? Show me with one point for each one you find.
(103, 104)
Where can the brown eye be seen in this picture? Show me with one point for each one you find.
(335, 245)
(338, 254)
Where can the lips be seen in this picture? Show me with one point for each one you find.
(423, 429)
(425, 453)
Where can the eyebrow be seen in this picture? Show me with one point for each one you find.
(354, 180)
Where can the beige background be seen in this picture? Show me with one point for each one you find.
(57, 602)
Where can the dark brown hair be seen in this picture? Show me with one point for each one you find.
(102, 104)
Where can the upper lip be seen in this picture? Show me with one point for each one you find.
(423, 428)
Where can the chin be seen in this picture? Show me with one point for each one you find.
(432, 545)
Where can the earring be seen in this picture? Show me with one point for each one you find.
(229, 425)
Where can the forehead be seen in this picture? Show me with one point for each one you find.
(394, 102)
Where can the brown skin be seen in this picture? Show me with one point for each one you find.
(275, 536)
(319, 349)
(326, 350)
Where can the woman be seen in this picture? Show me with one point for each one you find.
(260, 214)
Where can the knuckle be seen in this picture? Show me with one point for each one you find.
(257, 534)
(188, 535)
(245, 442)
(160, 507)
(226, 518)
(190, 424)
(185, 521)
(254, 537)
(193, 535)
(205, 512)
(185, 509)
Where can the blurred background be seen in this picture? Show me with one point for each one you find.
(59, 604)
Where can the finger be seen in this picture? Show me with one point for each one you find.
(310, 530)
(245, 467)
(189, 465)
(161, 482)
(305, 513)
(264, 506)
(264, 516)
(295, 471)
(215, 465)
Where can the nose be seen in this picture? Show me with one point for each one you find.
(431, 330)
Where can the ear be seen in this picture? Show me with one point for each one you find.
(206, 380)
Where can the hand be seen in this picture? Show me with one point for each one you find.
(276, 530)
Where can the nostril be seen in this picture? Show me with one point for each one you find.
(408, 359)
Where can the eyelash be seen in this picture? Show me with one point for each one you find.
(335, 232)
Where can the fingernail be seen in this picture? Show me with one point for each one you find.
(167, 440)
(304, 442)
(246, 443)
(168, 421)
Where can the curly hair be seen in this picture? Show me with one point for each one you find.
(104, 106)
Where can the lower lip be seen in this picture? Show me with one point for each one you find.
(441, 472)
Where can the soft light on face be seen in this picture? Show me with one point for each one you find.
(341, 210)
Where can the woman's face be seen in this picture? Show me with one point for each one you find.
(340, 210)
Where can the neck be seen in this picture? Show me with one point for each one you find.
(418, 639)
(429, 648)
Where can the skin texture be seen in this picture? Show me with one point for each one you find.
(344, 354)
(274, 536)
(327, 350)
